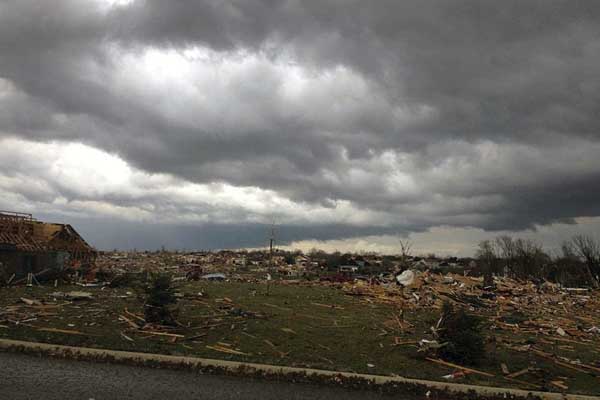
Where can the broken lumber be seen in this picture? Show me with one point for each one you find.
(518, 373)
(66, 331)
(130, 322)
(451, 365)
(30, 302)
(226, 350)
(163, 334)
(559, 384)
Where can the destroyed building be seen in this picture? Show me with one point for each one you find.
(31, 246)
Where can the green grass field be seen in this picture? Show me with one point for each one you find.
(296, 325)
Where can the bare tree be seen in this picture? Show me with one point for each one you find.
(568, 267)
(568, 251)
(487, 255)
(505, 246)
(405, 248)
(588, 248)
(530, 259)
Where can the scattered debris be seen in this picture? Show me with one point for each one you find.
(124, 336)
(465, 369)
(518, 373)
(593, 329)
(426, 345)
(65, 331)
(31, 302)
(543, 321)
(75, 295)
(559, 384)
(455, 375)
(222, 349)
(406, 278)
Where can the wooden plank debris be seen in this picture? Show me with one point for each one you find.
(162, 334)
(31, 302)
(222, 349)
(451, 365)
(559, 384)
(130, 322)
(518, 373)
(65, 331)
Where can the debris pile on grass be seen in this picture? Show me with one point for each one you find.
(544, 308)
(520, 316)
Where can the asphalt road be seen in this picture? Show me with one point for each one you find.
(29, 377)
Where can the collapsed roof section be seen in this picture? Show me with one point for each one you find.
(22, 232)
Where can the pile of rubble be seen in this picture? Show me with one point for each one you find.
(526, 316)
(543, 307)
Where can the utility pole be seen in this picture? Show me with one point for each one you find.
(271, 243)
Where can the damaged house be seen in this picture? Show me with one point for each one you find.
(31, 246)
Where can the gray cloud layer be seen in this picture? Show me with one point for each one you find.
(460, 113)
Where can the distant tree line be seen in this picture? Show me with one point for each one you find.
(576, 263)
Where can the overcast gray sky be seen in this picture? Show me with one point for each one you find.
(196, 124)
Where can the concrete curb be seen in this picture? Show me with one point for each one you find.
(274, 372)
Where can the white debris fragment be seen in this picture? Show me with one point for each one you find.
(406, 278)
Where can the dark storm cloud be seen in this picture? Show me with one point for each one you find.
(465, 113)
(490, 68)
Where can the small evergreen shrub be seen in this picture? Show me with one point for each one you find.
(462, 334)
(159, 307)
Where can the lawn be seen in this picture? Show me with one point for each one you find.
(316, 326)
